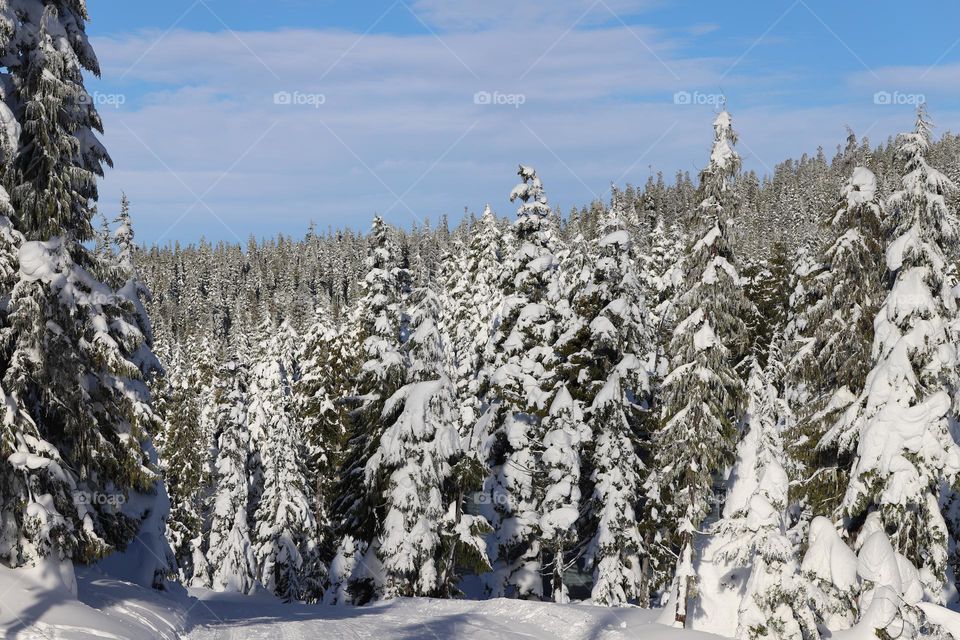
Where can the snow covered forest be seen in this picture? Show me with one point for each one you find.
(729, 400)
(728, 395)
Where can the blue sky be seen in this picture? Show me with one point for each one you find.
(231, 117)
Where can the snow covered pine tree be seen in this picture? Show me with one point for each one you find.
(606, 367)
(703, 394)
(356, 574)
(907, 460)
(77, 476)
(519, 375)
(751, 549)
(285, 538)
(230, 556)
(834, 359)
(413, 463)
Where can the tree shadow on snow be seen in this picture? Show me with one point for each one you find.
(236, 611)
(613, 619)
(174, 612)
(26, 619)
(457, 625)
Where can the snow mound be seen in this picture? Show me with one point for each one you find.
(862, 187)
(36, 605)
(828, 557)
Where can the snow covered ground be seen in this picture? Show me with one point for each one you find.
(30, 609)
(236, 617)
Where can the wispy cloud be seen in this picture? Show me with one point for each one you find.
(441, 118)
(511, 15)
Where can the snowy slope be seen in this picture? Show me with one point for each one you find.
(35, 605)
(499, 619)
(31, 608)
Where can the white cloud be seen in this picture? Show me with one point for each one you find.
(935, 78)
(514, 15)
(399, 119)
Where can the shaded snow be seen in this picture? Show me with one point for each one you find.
(34, 606)
(498, 619)
(110, 609)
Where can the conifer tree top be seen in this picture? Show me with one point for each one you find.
(724, 164)
(530, 193)
(919, 176)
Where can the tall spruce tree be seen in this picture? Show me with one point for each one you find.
(184, 460)
(703, 394)
(359, 509)
(906, 459)
(327, 370)
(609, 370)
(412, 466)
(835, 355)
(285, 538)
(475, 294)
(558, 485)
(230, 554)
(520, 363)
(74, 372)
(752, 537)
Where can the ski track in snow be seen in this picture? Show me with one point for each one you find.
(225, 617)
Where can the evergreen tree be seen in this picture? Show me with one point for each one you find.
(103, 245)
(703, 393)
(134, 290)
(475, 294)
(412, 466)
(606, 365)
(835, 360)
(72, 374)
(520, 362)
(188, 452)
(30, 465)
(382, 322)
(752, 534)
(327, 369)
(184, 465)
(99, 426)
(285, 543)
(906, 459)
(830, 568)
(230, 551)
(559, 484)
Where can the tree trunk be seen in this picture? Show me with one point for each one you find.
(559, 593)
(643, 598)
(683, 583)
(447, 576)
